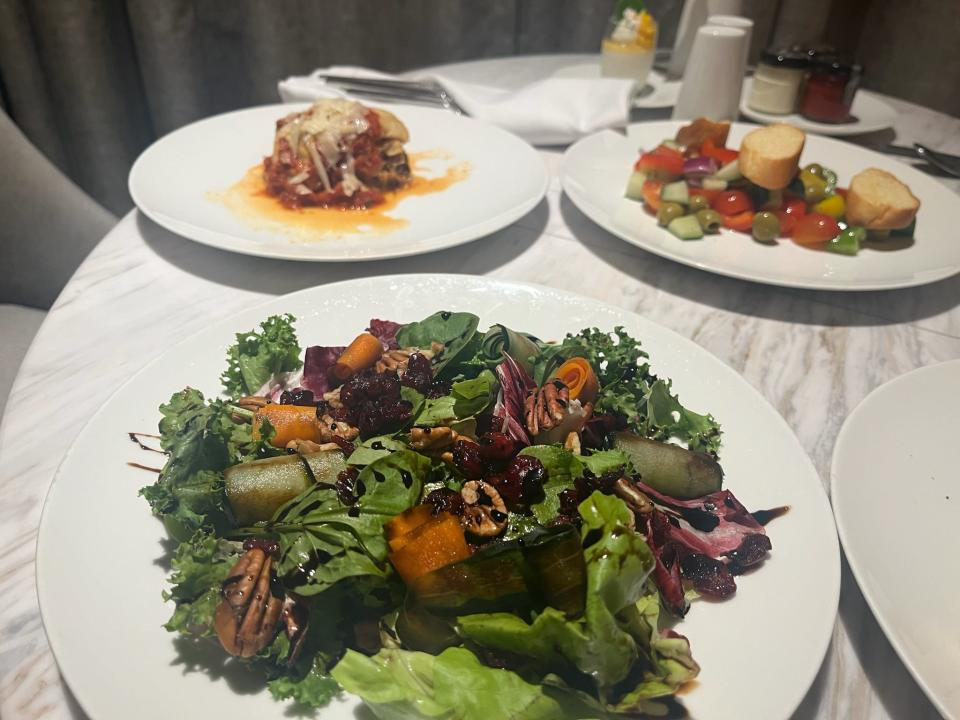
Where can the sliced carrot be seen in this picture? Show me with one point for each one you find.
(361, 354)
(291, 422)
(577, 374)
(435, 544)
(398, 529)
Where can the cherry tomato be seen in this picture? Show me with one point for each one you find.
(789, 215)
(651, 194)
(732, 202)
(842, 192)
(815, 229)
(742, 222)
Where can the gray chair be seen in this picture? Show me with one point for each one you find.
(47, 227)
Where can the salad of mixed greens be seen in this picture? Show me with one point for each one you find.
(447, 522)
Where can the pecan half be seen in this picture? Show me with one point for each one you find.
(636, 499)
(305, 447)
(484, 512)
(247, 616)
(435, 441)
(253, 402)
(546, 407)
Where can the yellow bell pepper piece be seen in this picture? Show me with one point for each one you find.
(832, 205)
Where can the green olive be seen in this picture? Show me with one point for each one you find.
(710, 220)
(669, 211)
(814, 187)
(766, 227)
(814, 169)
(698, 203)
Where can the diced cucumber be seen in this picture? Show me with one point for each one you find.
(670, 469)
(675, 192)
(686, 227)
(729, 172)
(634, 189)
(257, 489)
(714, 183)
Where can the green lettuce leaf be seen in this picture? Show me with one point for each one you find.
(453, 685)
(314, 689)
(467, 398)
(257, 356)
(597, 644)
(454, 330)
(629, 389)
(201, 440)
(199, 567)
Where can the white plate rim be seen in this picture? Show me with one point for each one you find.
(599, 217)
(832, 579)
(810, 126)
(859, 571)
(229, 243)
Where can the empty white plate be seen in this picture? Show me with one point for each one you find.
(896, 496)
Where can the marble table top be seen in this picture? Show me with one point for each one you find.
(813, 355)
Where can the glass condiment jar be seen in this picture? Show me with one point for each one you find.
(829, 90)
(630, 44)
(776, 83)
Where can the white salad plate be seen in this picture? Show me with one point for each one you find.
(896, 498)
(181, 182)
(595, 173)
(99, 556)
(869, 113)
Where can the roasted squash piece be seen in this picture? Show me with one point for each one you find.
(400, 526)
(291, 422)
(436, 543)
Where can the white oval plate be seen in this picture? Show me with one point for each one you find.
(896, 497)
(596, 169)
(99, 579)
(870, 113)
(174, 182)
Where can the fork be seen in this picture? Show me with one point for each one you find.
(424, 93)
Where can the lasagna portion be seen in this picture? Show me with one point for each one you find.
(338, 153)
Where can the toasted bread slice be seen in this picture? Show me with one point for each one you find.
(769, 155)
(877, 200)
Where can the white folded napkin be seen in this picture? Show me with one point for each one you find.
(552, 111)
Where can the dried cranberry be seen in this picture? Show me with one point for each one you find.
(445, 500)
(347, 483)
(523, 479)
(497, 448)
(598, 428)
(753, 548)
(709, 577)
(297, 396)
(345, 445)
(588, 483)
(466, 458)
(419, 373)
(372, 402)
(510, 488)
(439, 388)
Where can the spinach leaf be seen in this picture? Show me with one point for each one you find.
(454, 330)
(467, 399)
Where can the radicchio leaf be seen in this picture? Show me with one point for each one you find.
(515, 385)
(386, 332)
(317, 361)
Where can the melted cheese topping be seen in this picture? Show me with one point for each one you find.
(323, 133)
